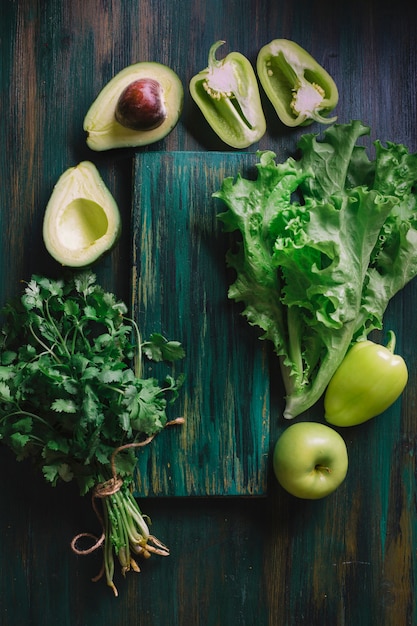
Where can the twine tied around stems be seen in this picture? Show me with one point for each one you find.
(108, 488)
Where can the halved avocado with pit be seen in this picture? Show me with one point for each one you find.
(103, 120)
(82, 220)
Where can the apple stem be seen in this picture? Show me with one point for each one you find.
(323, 468)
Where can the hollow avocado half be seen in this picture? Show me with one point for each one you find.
(82, 220)
(103, 130)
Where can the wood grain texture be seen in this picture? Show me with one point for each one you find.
(180, 283)
(349, 560)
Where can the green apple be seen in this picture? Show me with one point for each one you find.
(310, 460)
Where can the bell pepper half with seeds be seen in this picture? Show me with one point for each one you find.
(227, 94)
(299, 88)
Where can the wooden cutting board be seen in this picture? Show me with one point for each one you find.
(180, 283)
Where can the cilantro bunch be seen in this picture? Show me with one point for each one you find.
(74, 400)
(326, 240)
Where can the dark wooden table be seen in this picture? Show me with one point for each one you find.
(347, 560)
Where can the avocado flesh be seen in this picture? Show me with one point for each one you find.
(82, 220)
(103, 130)
(83, 223)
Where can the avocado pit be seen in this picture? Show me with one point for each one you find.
(141, 105)
(137, 107)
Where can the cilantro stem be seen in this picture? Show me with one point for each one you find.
(108, 555)
(138, 360)
(21, 412)
(130, 516)
(55, 327)
(48, 349)
(75, 333)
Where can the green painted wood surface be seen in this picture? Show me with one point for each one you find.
(349, 560)
(180, 282)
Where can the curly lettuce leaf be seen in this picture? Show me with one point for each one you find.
(394, 258)
(320, 237)
(253, 207)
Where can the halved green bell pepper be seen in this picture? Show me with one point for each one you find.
(227, 94)
(300, 90)
(368, 381)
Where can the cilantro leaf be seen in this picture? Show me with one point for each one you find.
(160, 349)
(64, 406)
(69, 395)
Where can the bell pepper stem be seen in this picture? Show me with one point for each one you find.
(212, 59)
(391, 341)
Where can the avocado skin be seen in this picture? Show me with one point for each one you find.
(82, 221)
(103, 130)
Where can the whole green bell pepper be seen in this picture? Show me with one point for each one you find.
(227, 94)
(300, 90)
(369, 380)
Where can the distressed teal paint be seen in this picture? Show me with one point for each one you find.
(180, 289)
(274, 561)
